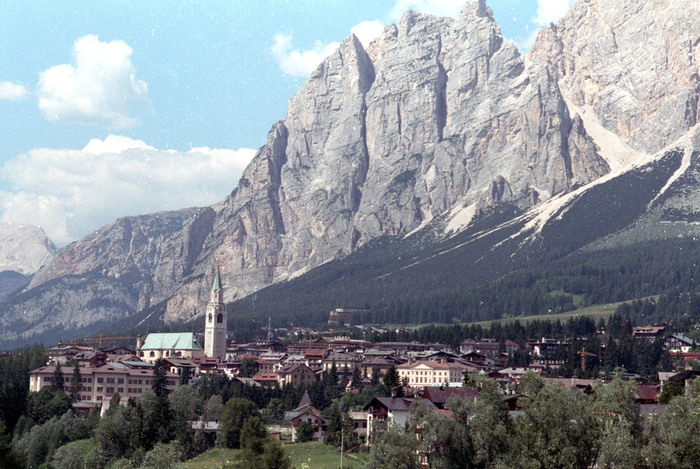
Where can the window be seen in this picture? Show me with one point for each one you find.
(109, 391)
(220, 318)
(120, 390)
(211, 317)
(99, 389)
(120, 381)
(110, 380)
(100, 380)
(153, 354)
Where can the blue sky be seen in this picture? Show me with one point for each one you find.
(118, 108)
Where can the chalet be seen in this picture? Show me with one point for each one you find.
(344, 362)
(390, 411)
(67, 352)
(306, 412)
(267, 380)
(313, 358)
(482, 361)
(276, 358)
(90, 358)
(296, 375)
(376, 365)
(684, 376)
(359, 422)
(489, 347)
(650, 333)
(180, 367)
(547, 349)
(678, 343)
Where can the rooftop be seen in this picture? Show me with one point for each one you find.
(171, 341)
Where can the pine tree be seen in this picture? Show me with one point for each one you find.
(160, 379)
(57, 378)
(76, 385)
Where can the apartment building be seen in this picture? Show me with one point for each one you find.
(101, 383)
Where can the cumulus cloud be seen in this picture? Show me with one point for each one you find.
(99, 87)
(297, 62)
(12, 91)
(433, 7)
(70, 193)
(368, 31)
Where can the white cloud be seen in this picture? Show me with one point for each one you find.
(296, 62)
(70, 193)
(367, 31)
(433, 7)
(549, 11)
(12, 91)
(99, 87)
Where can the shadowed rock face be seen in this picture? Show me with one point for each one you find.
(437, 122)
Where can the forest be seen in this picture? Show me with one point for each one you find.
(668, 268)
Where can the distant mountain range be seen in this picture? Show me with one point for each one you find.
(438, 154)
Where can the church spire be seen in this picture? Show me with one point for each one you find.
(217, 280)
(215, 329)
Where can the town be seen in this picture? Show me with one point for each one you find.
(314, 385)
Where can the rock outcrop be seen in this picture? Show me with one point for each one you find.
(23, 248)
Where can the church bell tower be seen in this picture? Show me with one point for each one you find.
(215, 321)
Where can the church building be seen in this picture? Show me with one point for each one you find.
(216, 321)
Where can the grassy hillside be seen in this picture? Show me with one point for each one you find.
(315, 455)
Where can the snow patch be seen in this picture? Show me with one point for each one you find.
(688, 149)
(459, 218)
(612, 148)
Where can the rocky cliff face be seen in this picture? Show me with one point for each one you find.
(438, 122)
(438, 116)
(630, 67)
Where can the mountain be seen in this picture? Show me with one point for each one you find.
(439, 139)
(23, 248)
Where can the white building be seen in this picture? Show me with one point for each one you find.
(431, 373)
(215, 322)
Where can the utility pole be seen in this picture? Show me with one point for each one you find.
(342, 441)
